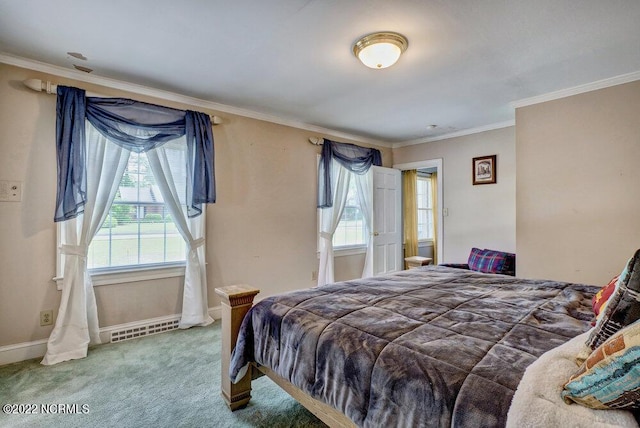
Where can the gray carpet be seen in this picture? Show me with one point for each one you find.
(166, 380)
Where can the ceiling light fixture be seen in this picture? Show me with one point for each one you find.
(380, 50)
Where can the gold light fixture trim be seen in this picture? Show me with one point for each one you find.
(380, 50)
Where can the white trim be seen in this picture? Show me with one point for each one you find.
(414, 165)
(196, 102)
(22, 351)
(580, 89)
(461, 133)
(124, 276)
(37, 348)
(430, 163)
(345, 251)
(172, 96)
(348, 250)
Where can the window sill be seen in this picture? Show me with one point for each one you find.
(349, 251)
(425, 243)
(126, 275)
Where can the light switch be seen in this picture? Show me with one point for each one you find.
(10, 191)
(445, 212)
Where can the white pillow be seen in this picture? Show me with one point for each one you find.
(537, 401)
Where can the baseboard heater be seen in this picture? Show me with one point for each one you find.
(143, 330)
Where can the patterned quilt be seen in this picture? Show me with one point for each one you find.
(434, 346)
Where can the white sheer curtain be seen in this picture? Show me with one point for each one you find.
(365, 197)
(77, 322)
(169, 167)
(330, 218)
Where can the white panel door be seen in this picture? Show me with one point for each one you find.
(387, 226)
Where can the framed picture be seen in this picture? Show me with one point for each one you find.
(484, 170)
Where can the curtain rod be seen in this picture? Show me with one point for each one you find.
(52, 88)
(316, 141)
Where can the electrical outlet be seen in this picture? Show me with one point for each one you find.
(46, 317)
(314, 275)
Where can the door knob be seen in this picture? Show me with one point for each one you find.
(375, 234)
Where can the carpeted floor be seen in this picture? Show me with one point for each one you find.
(166, 380)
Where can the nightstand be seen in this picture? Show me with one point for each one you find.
(417, 261)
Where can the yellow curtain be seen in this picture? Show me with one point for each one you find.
(434, 204)
(410, 212)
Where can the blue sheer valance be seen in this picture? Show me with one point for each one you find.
(135, 126)
(355, 158)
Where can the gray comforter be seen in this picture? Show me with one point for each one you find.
(433, 346)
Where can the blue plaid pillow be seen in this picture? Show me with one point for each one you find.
(486, 261)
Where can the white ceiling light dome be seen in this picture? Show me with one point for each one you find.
(380, 50)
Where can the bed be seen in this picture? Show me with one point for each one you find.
(433, 346)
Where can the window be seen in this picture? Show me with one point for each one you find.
(112, 208)
(138, 230)
(425, 208)
(138, 239)
(352, 230)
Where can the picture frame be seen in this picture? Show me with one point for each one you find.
(484, 170)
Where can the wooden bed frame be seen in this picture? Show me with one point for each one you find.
(236, 301)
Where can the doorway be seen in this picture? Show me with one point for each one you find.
(430, 166)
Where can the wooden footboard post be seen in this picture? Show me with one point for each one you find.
(236, 300)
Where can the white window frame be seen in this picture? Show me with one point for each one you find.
(426, 240)
(120, 274)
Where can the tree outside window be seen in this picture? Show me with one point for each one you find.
(138, 229)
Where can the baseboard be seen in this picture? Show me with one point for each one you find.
(22, 351)
(37, 348)
(215, 313)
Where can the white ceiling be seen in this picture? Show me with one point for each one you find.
(467, 59)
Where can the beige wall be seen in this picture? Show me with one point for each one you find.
(348, 267)
(482, 215)
(578, 181)
(576, 187)
(262, 230)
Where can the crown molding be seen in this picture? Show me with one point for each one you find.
(580, 89)
(461, 133)
(175, 97)
(224, 108)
